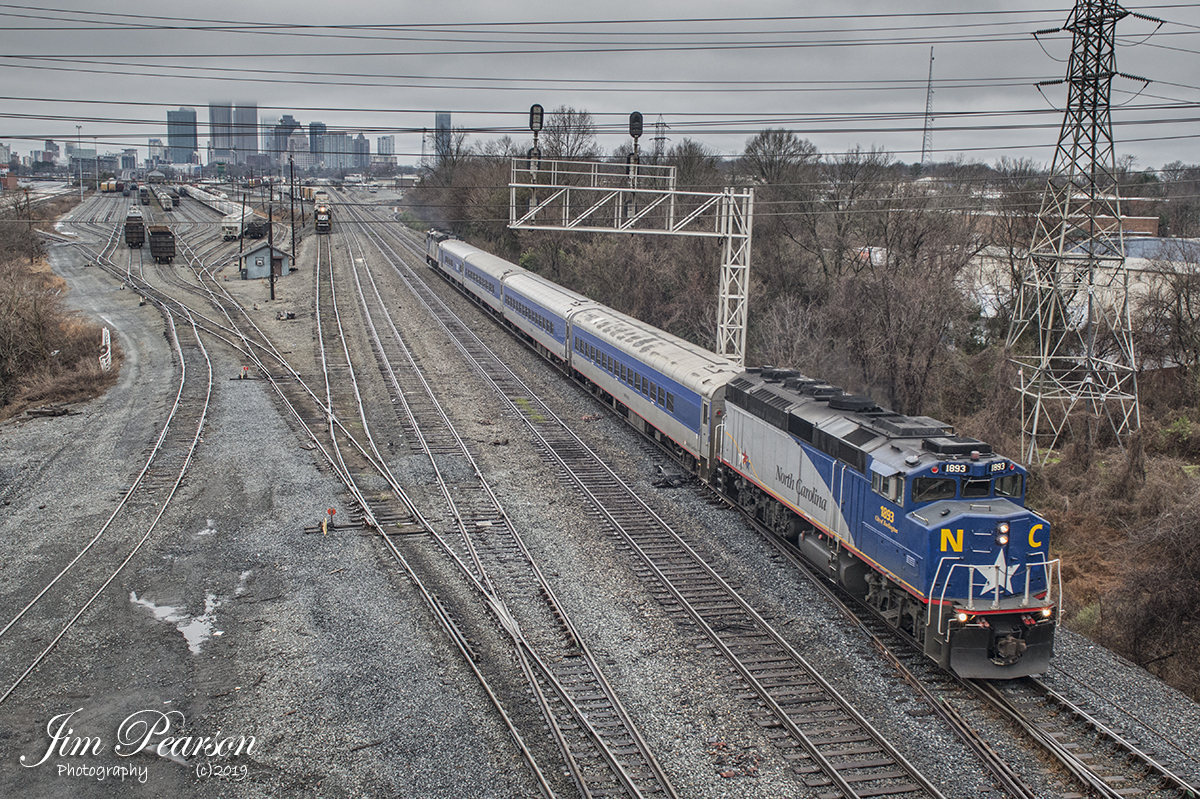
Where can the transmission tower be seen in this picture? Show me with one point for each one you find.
(927, 142)
(1070, 336)
(660, 139)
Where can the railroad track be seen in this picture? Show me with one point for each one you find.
(1093, 756)
(599, 742)
(80, 582)
(354, 460)
(829, 743)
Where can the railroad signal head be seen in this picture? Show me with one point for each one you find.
(635, 124)
(535, 117)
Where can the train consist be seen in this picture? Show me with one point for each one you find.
(236, 220)
(218, 203)
(164, 199)
(927, 527)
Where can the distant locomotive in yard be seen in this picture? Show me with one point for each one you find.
(323, 218)
(928, 528)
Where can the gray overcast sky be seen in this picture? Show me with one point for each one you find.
(843, 74)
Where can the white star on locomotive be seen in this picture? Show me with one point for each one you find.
(991, 576)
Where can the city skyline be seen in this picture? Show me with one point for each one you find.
(842, 76)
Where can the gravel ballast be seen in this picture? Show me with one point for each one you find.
(319, 647)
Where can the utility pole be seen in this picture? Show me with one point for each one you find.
(292, 201)
(271, 243)
(1071, 337)
(29, 216)
(79, 157)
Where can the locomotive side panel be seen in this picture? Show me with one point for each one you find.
(770, 458)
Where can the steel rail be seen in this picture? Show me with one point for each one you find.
(552, 451)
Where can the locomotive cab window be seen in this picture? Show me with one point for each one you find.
(928, 489)
(976, 489)
(891, 487)
(1010, 485)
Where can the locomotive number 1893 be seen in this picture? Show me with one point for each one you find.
(956, 468)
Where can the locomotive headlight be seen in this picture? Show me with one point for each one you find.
(962, 617)
(1002, 533)
(1047, 612)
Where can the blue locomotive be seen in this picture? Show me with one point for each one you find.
(927, 527)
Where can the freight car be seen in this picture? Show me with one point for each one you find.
(135, 228)
(162, 244)
(231, 227)
(928, 528)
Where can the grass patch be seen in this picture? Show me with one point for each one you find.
(527, 408)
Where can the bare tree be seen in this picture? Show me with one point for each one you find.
(1180, 192)
(1168, 313)
(776, 156)
(896, 316)
(697, 166)
(569, 134)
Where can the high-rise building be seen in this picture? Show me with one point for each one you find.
(220, 120)
(129, 158)
(298, 152)
(266, 132)
(441, 135)
(245, 131)
(385, 145)
(362, 152)
(154, 154)
(182, 138)
(316, 140)
(339, 150)
(286, 127)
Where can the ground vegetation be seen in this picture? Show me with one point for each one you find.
(48, 354)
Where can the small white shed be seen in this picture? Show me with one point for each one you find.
(262, 260)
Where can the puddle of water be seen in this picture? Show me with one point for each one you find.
(196, 630)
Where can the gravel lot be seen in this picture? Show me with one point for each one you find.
(319, 649)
